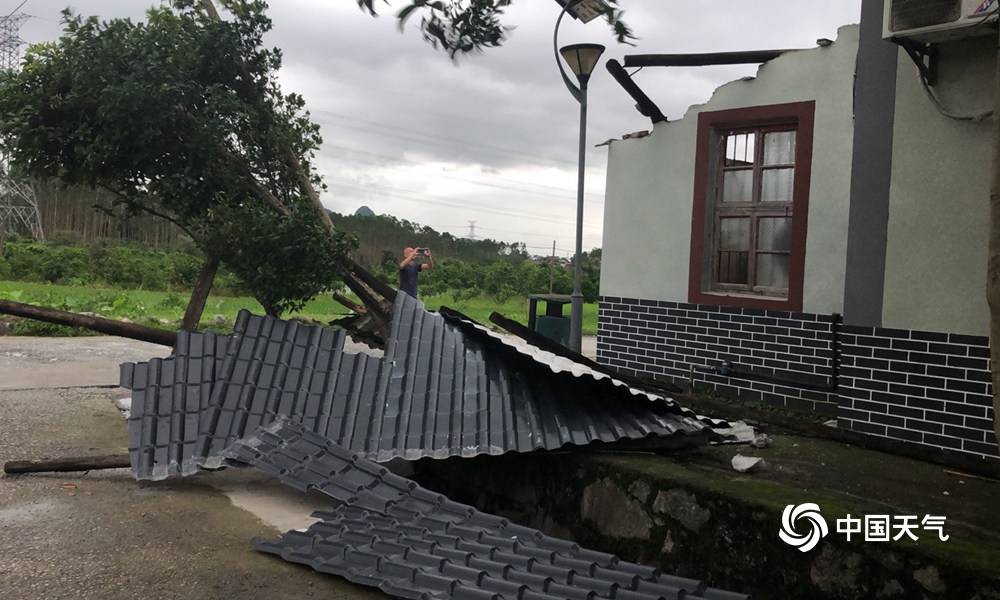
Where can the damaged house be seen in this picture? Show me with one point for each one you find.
(819, 231)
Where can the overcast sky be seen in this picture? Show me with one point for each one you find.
(493, 137)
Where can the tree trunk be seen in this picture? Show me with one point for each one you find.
(993, 268)
(99, 324)
(199, 295)
(269, 309)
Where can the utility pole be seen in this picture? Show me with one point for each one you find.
(472, 230)
(993, 267)
(552, 268)
(18, 206)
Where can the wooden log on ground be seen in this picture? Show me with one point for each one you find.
(69, 464)
(99, 324)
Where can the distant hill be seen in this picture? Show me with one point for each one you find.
(383, 237)
(364, 211)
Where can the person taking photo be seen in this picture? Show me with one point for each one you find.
(411, 266)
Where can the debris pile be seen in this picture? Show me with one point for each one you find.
(445, 387)
(288, 399)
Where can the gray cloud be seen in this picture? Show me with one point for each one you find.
(406, 130)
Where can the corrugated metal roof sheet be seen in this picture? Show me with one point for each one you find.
(169, 398)
(413, 543)
(559, 364)
(442, 389)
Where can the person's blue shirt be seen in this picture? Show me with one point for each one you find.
(408, 278)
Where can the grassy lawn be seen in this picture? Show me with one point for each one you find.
(165, 309)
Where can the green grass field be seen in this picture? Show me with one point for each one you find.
(165, 309)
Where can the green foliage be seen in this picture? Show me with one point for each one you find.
(164, 309)
(32, 327)
(381, 239)
(172, 301)
(63, 263)
(504, 293)
(290, 261)
(179, 116)
(119, 266)
(462, 26)
(502, 279)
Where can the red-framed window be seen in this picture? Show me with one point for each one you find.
(751, 200)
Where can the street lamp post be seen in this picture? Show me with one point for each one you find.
(581, 59)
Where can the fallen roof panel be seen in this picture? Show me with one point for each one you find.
(169, 397)
(442, 389)
(410, 542)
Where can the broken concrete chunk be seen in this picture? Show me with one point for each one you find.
(745, 464)
(124, 405)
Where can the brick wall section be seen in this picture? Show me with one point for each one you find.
(917, 387)
(664, 338)
(922, 387)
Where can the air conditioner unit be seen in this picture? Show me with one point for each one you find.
(933, 21)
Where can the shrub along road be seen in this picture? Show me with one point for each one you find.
(165, 308)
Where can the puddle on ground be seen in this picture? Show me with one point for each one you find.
(273, 503)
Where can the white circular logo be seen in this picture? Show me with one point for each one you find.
(810, 516)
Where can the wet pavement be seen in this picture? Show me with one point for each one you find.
(102, 534)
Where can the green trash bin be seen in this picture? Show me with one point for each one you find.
(552, 324)
(554, 328)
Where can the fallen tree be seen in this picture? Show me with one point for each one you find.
(181, 117)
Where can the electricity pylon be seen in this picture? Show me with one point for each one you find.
(18, 207)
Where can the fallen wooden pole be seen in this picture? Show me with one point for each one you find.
(342, 299)
(71, 464)
(99, 324)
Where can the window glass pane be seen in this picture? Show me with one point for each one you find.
(734, 251)
(777, 186)
(737, 186)
(734, 234)
(741, 149)
(774, 234)
(772, 270)
(779, 148)
(734, 267)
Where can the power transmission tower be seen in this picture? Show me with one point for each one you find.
(18, 207)
(472, 230)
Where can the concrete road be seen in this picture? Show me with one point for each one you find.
(102, 535)
(32, 363)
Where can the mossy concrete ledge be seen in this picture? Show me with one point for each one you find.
(693, 516)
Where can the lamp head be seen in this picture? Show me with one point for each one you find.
(582, 58)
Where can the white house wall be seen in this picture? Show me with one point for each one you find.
(935, 272)
(650, 182)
